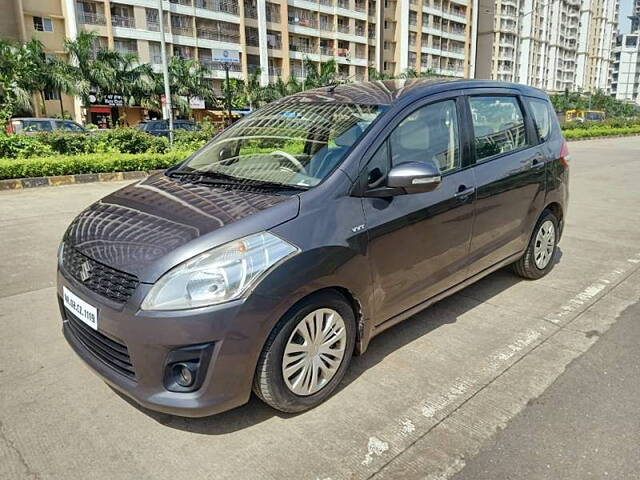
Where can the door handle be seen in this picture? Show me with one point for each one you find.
(464, 191)
(537, 162)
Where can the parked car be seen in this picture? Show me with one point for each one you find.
(266, 259)
(32, 126)
(160, 128)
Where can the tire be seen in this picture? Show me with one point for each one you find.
(269, 382)
(526, 266)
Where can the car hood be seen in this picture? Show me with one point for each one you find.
(150, 226)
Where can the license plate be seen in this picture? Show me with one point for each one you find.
(81, 309)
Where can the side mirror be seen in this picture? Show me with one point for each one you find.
(414, 177)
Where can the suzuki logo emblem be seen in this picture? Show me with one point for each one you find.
(85, 271)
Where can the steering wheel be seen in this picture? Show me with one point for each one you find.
(291, 159)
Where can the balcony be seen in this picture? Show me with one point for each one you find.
(273, 13)
(326, 26)
(86, 18)
(181, 30)
(126, 22)
(153, 26)
(344, 28)
(250, 11)
(275, 71)
(220, 35)
(186, 3)
(224, 6)
(324, 50)
(296, 47)
(303, 22)
(275, 43)
(328, 3)
(342, 52)
(343, 4)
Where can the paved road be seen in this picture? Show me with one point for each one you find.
(421, 403)
(585, 426)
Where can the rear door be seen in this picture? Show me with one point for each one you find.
(418, 243)
(510, 175)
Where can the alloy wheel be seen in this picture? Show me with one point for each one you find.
(544, 244)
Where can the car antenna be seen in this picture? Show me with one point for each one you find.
(342, 81)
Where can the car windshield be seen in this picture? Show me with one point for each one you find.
(292, 144)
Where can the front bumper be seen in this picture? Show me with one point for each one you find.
(237, 331)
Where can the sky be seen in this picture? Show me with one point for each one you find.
(625, 11)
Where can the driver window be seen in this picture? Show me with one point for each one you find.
(430, 135)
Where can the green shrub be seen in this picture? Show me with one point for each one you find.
(91, 163)
(67, 143)
(23, 146)
(130, 140)
(578, 133)
(185, 140)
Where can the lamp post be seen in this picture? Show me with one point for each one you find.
(167, 111)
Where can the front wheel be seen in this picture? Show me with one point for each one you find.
(537, 260)
(307, 353)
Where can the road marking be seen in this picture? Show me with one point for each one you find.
(375, 447)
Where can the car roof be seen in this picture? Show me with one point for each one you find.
(43, 119)
(388, 92)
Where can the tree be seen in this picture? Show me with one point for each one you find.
(254, 93)
(325, 73)
(132, 80)
(187, 79)
(62, 79)
(93, 67)
(14, 91)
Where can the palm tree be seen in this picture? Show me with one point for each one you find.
(14, 91)
(377, 75)
(132, 80)
(187, 78)
(93, 68)
(62, 79)
(319, 76)
(253, 92)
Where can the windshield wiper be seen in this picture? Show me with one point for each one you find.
(217, 178)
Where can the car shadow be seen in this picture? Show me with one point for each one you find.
(442, 313)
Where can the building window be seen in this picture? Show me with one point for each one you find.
(51, 95)
(42, 24)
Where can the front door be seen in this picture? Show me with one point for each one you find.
(418, 243)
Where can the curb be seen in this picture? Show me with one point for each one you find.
(57, 180)
(602, 137)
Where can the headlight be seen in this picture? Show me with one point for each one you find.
(218, 275)
(60, 254)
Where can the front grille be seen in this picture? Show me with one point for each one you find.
(109, 351)
(97, 277)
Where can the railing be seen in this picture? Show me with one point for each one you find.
(342, 52)
(344, 28)
(275, 71)
(225, 6)
(296, 72)
(126, 22)
(153, 26)
(182, 2)
(360, 31)
(326, 51)
(303, 22)
(211, 65)
(219, 35)
(277, 43)
(360, 7)
(273, 14)
(302, 48)
(184, 31)
(252, 40)
(326, 26)
(126, 50)
(328, 3)
(343, 4)
(156, 59)
(253, 68)
(250, 11)
(361, 53)
(86, 18)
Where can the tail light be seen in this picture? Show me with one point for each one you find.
(10, 128)
(565, 157)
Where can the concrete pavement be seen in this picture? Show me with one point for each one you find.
(419, 404)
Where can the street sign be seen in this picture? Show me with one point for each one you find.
(226, 56)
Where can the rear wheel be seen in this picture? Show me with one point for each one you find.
(307, 353)
(537, 260)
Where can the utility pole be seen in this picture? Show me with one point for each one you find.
(227, 94)
(167, 111)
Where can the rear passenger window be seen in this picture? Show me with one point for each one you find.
(429, 135)
(541, 116)
(36, 126)
(498, 125)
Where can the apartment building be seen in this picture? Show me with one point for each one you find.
(426, 35)
(559, 45)
(48, 21)
(635, 16)
(625, 76)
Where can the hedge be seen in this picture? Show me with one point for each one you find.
(603, 131)
(89, 163)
